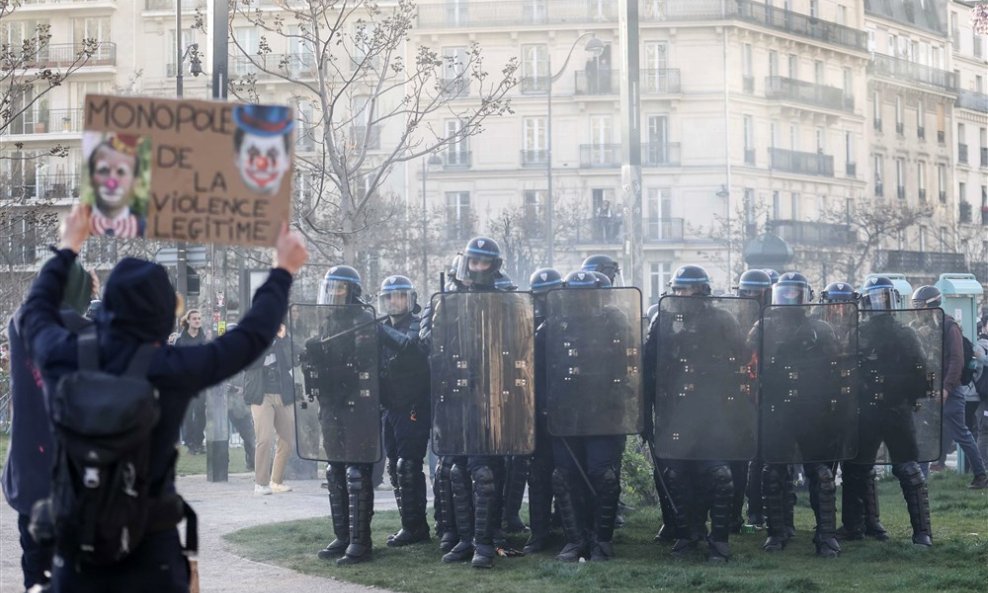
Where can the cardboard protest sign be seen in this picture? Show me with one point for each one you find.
(198, 171)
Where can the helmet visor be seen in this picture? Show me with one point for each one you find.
(790, 294)
(476, 269)
(333, 292)
(396, 302)
(880, 298)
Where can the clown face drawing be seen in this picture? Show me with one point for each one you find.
(262, 143)
(114, 167)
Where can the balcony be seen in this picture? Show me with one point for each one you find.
(962, 153)
(530, 85)
(813, 233)
(603, 82)
(663, 229)
(790, 89)
(749, 156)
(910, 72)
(599, 230)
(877, 124)
(973, 100)
(659, 154)
(169, 5)
(53, 121)
(851, 169)
(362, 140)
(534, 158)
(457, 159)
(455, 87)
(664, 81)
(271, 66)
(943, 197)
(45, 187)
(879, 190)
(515, 13)
(941, 137)
(929, 262)
(804, 163)
(600, 156)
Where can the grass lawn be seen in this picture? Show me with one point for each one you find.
(958, 562)
(190, 465)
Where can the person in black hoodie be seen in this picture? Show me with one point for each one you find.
(139, 308)
(27, 471)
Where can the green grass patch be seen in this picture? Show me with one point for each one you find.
(191, 465)
(957, 562)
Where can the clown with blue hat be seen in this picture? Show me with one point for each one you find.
(262, 143)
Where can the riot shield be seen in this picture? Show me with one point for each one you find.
(594, 362)
(337, 400)
(808, 383)
(705, 398)
(482, 373)
(901, 360)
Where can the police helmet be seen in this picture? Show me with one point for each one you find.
(772, 274)
(504, 282)
(690, 281)
(604, 264)
(341, 286)
(792, 289)
(652, 311)
(544, 279)
(755, 284)
(838, 292)
(927, 297)
(605, 281)
(479, 263)
(397, 296)
(582, 279)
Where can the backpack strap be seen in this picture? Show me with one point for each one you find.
(88, 343)
(140, 361)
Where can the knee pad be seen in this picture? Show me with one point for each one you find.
(560, 480)
(354, 473)
(719, 477)
(459, 473)
(909, 474)
(408, 467)
(483, 480)
(775, 474)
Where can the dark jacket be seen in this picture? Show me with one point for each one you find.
(27, 470)
(404, 366)
(254, 375)
(953, 354)
(186, 339)
(139, 307)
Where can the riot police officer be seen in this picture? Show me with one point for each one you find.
(541, 462)
(696, 487)
(407, 415)
(808, 339)
(586, 480)
(351, 489)
(603, 264)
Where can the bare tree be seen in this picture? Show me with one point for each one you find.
(520, 232)
(363, 107)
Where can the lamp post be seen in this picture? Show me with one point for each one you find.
(192, 52)
(725, 194)
(427, 162)
(594, 47)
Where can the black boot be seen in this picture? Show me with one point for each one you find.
(852, 502)
(789, 509)
(395, 487)
(514, 491)
(739, 479)
(774, 502)
(486, 517)
(339, 505)
(442, 491)
(822, 481)
(679, 493)
(414, 528)
(569, 502)
(539, 507)
(459, 478)
(361, 490)
(717, 481)
(872, 522)
(607, 485)
(917, 497)
(756, 515)
(666, 533)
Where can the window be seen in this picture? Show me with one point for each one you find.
(814, 9)
(793, 66)
(921, 119)
(533, 203)
(658, 279)
(658, 140)
(821, 140)
(921, 180)
(534, 133)
(97, 28)
(842, 15)
(459, 224)
(773, 63)
(658, 214)
(899, 125)
(922, 238)
(794, 206)
(776, 206)
(746, 69)
(365, 53)
(900, 178)
(943, 238)
(871, 41)
(819, 73)
(455, 61)
(656, 74)
(457, 153)
(773, 134)
(878, 164)
(961, 143)
(942, 182)
(534, 68)
(793, 137)
(247, 38)
(848, 82)
(749, 140)
(961, 191)
(941, 124)
(876, 100)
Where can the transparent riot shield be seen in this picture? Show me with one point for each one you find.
(705, 396)
(482, 373)
(901, 361)
(808, 383)
(593, 352)
(337, 400)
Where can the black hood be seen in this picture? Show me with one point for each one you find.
(138, 301)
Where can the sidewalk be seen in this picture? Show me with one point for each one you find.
(224, 507)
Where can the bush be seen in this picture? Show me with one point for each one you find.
(637, 484)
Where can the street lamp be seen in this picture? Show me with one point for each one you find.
(595, 47)
(432, 160)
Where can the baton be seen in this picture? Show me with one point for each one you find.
(354, 328)
(658, 473)
(579, 467)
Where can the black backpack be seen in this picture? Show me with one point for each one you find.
(970, 362)
(100, 506)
